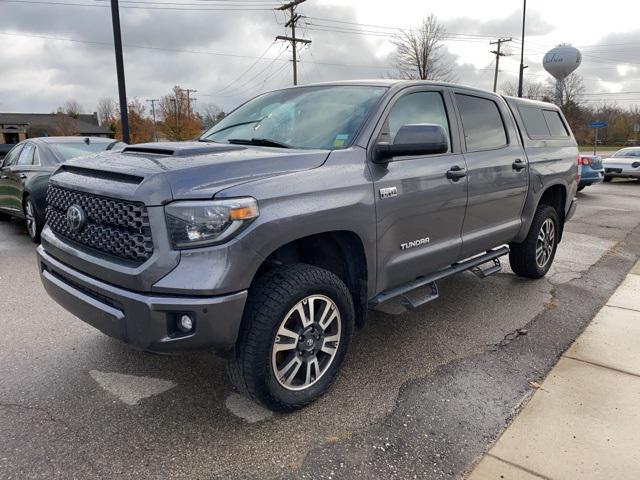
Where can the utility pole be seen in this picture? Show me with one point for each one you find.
(122, 89)
(522, 66)
(153, 101)
(175, 105)
(498, 54)
(189, 91)
(293, 19)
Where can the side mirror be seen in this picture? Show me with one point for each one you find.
(416, 139)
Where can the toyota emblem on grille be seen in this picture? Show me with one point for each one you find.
(75, 218)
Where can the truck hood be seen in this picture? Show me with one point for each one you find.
(190, 170)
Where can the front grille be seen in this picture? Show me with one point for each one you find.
(115, 227)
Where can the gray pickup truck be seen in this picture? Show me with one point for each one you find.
(270, 238)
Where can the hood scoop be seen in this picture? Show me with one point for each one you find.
(181, 149)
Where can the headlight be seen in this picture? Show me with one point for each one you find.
(200, 223)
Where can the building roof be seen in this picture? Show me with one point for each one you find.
(85, 124)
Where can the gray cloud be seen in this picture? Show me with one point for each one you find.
(507, 26)
(39, 75)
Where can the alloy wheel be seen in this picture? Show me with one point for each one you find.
(30, 216)
(306, 342)
(545, 242)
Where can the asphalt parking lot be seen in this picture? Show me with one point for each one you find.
(421, 395)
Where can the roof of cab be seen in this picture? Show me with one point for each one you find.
(392, 83)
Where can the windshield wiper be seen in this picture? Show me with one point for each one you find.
(261, 142)
(234, 125)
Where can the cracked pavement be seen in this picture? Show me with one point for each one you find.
(422, 394)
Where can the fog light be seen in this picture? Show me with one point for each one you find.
(185, 323)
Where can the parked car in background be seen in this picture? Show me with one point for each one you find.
(25, 172)
(624, 163)
(591, 170)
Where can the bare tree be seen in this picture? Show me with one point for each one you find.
(71, 108)
(419, 52)
(210, 114)
(107, 111)
(532, 90)
(65, 125)
(573, 89)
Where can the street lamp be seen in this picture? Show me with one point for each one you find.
(122, 90)
(522, 67)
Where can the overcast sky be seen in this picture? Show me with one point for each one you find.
(230, 55)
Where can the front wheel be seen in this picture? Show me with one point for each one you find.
(533, 257)
(34, 224)
(294, 336)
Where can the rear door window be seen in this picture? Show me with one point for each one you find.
(26, 155)
(482, 123)
(534, 122)
(556, 125)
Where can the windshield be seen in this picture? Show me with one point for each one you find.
(69, 150)
(628, 152)
(325, 117)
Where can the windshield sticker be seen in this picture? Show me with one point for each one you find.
(340, 140)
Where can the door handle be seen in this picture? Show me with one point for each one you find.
(23, 175)
(518, 165)
(4, 177)
(455, 173)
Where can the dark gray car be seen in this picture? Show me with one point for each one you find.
(25, 172)
(271, 238)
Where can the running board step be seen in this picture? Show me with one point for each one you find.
(410, 303)
(481, 272)
(474, 264)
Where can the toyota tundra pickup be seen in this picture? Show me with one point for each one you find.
(269, 238)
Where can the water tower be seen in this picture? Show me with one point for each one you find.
(560, 62)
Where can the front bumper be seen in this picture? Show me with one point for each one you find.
(621, 171)
(144, 321)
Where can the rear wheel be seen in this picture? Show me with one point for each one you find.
(294, 336)
(533, 257)
(606, 179)
(4, 216)
(34, 224)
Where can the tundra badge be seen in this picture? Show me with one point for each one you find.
(415, 243)
(388, 192)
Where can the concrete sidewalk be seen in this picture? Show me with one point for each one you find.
(584, 420)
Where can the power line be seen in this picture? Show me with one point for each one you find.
(193, 7)
(179, 50)
(245, 72)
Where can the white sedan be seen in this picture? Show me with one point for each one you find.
(624, 163)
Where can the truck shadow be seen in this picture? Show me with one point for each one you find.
(192, 418)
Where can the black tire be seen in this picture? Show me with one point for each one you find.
(4, 217)
(34, 223)
(271, 301)
(581, 187)
(607, 179)
(524, 257)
